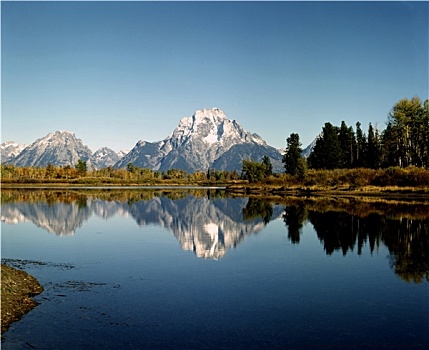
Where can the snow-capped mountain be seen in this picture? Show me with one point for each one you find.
(121, 154)
(206, 140)
(57, 148)
(309, 149)
(104, 157)
(10, 150)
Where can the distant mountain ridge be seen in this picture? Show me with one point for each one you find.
(59, 148)
(10, 150)
(206, 140)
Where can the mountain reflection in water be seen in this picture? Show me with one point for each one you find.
(209, 223)
(206, 225)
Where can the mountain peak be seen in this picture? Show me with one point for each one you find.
(207, 139)
(62, 133)
(58, 147)
(214, 114)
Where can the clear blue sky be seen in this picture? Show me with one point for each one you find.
(115, 72)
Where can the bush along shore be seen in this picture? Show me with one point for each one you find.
(363, 181)
(255, 177)
(17, 288)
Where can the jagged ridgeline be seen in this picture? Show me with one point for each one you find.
(206, 140)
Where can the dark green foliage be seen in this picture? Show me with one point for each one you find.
(404, 142)
(253, 171)
(81, 167)
(294, 163)
(373, 155)
(294, 217)
(130, 167)
(268, 166)
(256, 208)
(347, 141)
(327, 153)
(361, 147)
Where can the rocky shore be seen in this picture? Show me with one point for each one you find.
(17, 288)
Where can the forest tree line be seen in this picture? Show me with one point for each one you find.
(404, 142)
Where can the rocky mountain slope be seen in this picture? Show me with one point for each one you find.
(9, 150)
(59, 148)
(206, 140)
(309, 149)
(104, 157)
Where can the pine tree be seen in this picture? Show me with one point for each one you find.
(361, 147)
(348, 145)
(327, 153)
(292, 159)
(373, 149)
(268, 166)
(424, 141)
(81, 167)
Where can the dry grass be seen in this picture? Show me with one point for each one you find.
(17, 288)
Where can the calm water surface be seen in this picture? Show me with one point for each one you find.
(193, 270)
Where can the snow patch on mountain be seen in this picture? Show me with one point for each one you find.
(104, 157)
(198, 143)
(59, 148)
(9, 150)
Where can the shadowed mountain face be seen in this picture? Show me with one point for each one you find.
(206, 140)
(207, 227)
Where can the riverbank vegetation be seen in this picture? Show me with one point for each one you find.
(394, 179)
(395, 160)
(133, 175)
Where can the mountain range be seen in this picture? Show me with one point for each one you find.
(206, 140)
(207, 227)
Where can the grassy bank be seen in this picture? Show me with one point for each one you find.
(17, 288)
(361, 181)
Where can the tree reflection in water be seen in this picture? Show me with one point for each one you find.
(406, 238)
(341, 224)
(294, 218)
(256, 208)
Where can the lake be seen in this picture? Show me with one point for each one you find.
(197, 269)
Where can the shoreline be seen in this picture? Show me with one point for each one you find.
(246, 189)
(322, 191)
(17, 290)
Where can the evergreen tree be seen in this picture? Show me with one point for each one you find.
(373, 155)
(424, 141)
(292, 159)
(327, 153)
(81, 167)
(348, 145)
(361, 146)
(268, 166)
